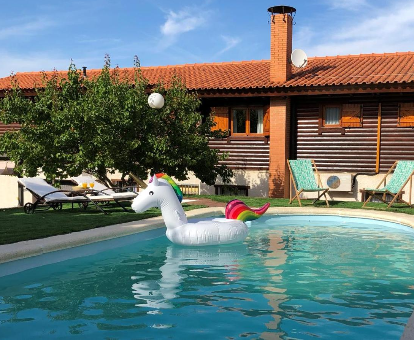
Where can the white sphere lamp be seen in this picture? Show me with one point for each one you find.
(156, 100)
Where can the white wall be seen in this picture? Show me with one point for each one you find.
(9, 192)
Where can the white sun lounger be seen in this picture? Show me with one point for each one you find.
(102, 192)
(50, 197)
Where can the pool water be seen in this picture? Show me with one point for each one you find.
(297, 277)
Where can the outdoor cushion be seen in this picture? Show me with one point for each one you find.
(100, 198)
(67, 199)
(41, 188)
(124, 195)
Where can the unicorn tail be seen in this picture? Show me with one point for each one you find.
(238, 210)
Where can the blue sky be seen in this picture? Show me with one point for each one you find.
(47, 34)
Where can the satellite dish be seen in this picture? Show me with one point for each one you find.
(156, 100)
(299, 58)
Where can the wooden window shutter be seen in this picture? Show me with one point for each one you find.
(406, 114)
(221, 118)
(266, 120)
(351, 115)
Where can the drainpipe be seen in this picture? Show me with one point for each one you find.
(377, 164)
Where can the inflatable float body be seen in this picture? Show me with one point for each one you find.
(164, 193)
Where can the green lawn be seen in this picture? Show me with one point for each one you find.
(282, 202)
(17, 226)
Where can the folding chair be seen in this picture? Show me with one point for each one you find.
(403, 172)
(302, 175)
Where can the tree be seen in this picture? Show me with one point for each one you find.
(104, 123)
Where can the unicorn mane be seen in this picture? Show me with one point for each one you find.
(238, 210)
(170, 181)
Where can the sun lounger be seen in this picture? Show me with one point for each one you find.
(48, 196)
(101, 193)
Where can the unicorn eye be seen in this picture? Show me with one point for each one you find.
(151, 193)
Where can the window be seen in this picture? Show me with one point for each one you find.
(239, 120)
(406, 115)
(332, 116)
(339, 116)
(247, 121)
(256, 121)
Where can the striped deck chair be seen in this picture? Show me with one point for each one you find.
(403, 172)
(302, 175)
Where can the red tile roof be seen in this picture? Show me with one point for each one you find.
(320, 71)
(356, 69)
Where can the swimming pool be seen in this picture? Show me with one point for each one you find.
(295, 277)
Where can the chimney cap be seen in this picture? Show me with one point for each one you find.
(281, 10)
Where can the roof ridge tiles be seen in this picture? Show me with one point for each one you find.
(37, 72)
(385, 54)
(207, 64)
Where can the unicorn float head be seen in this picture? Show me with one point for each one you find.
(164, 193)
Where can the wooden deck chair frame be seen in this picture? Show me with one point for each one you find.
(297, 195)
(395, 197)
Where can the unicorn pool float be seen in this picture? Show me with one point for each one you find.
(164, 193)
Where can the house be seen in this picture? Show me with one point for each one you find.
(352, 114)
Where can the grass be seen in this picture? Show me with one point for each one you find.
(284, 202)
(17, 226)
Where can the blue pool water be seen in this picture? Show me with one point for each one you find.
(296, 277)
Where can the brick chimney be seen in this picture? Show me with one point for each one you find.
(280, 42)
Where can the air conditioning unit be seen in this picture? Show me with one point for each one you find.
(337, 181)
